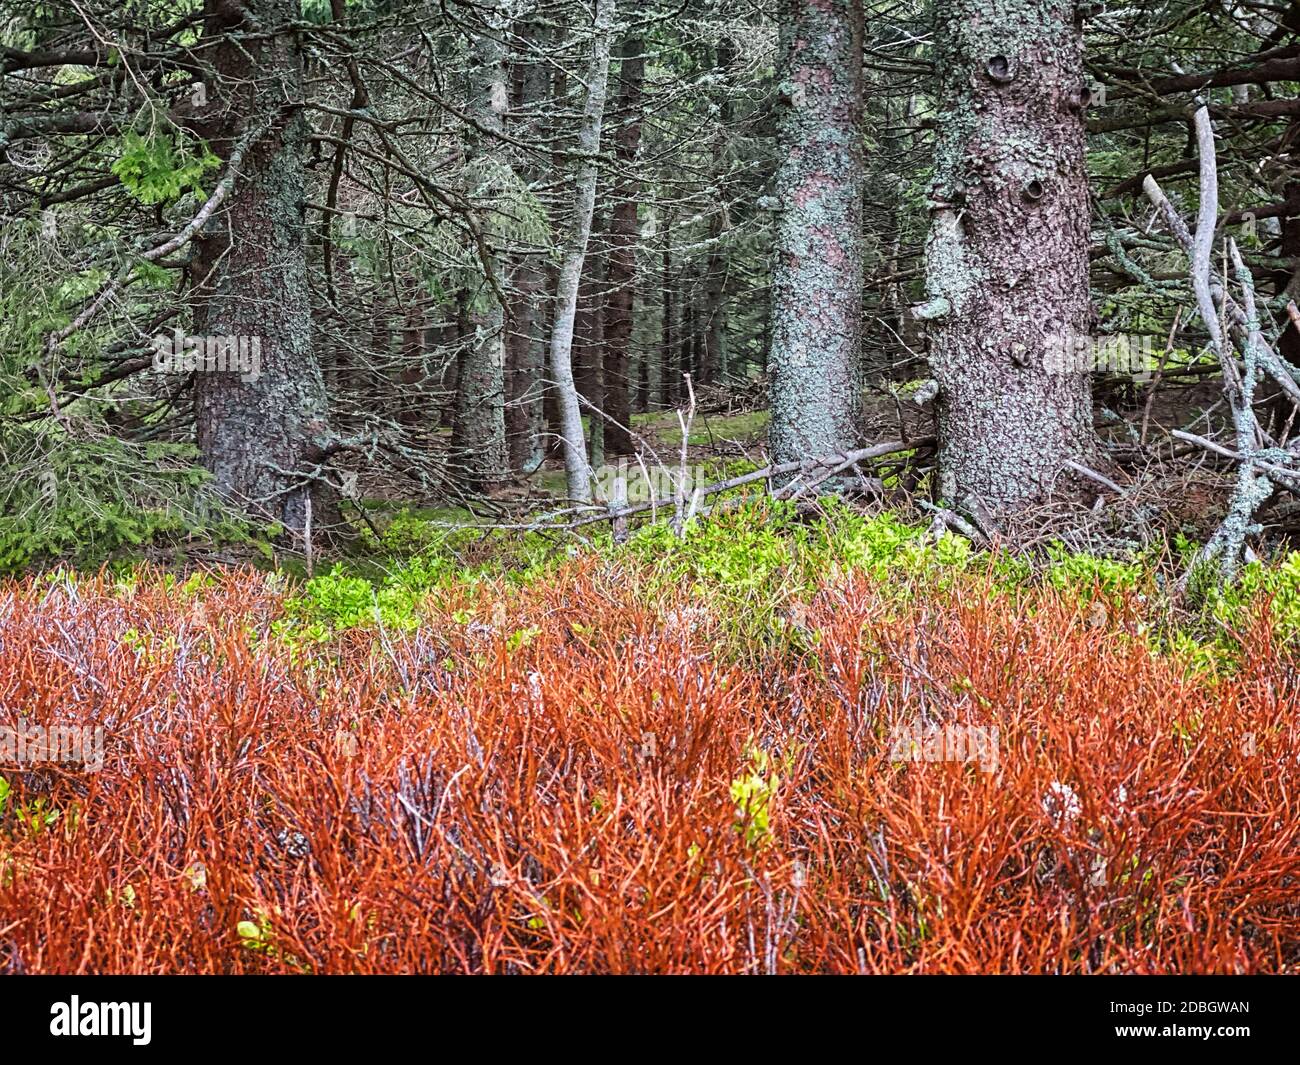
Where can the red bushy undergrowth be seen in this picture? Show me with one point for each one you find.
(570, 798)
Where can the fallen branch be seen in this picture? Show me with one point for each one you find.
(839, 461)
(1093, 475)
(1288, 479)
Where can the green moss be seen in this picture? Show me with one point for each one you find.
(743, 428)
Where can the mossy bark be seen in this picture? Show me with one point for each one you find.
(1007, 255)
(478, 445)
(817, 278)
(623, 233)
(526, 340)
(263, 435)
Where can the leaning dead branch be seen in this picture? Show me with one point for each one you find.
(1217, 307)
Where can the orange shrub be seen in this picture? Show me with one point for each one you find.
(573, 782)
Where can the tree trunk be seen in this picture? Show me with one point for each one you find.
(479, 442)
(577, 473)
(713, 364)
(669, 378)
(1007, 255)
(589, 345)
(623, 234)
(261, 434)
(817, 279)
(411, 392)
(527, 339)
(688, 340)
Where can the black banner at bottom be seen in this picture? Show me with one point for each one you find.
(264, 1015)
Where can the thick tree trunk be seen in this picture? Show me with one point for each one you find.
(1007, 255)
(623, 234)
(262, 434)
(577, 472)
(479, 442)
(817, 279)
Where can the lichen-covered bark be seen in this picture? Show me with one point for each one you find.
(526, 341)
(577, 472)
(713, 359)
(1007, 255)
(669, 376)
(261, 437)
(478, 443)
(817, 278)
(589, 343)
(623, 234)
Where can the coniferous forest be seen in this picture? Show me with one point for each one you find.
(697, 486)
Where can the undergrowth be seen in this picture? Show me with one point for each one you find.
(748, 569)
(729, 752)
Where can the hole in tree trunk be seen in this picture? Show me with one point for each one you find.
(1033, 192)
(1001, 69)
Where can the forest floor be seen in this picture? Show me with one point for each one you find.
(727, 437)
(780, 744)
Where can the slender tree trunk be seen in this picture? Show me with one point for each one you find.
(262, 434)
(379, 358)
(713, 337)
(577, 473)
(410, 378)
(527, 343)
(623, 234)
(688, 357)
(713, 362)
(669, 378)
(817, 280)
(1007, 255)
(589, 345)
(478, 444)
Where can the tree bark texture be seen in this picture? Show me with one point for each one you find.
(817, 277)
(1007, 254)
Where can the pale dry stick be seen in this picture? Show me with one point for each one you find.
(786, 493)
(679, 490)
(619, 502)
(306, 533)
(1203, 240)
(1093, 475)
(945, 517)
(1288, 479)
(1160, 373)
(1251, 491)
(1272, 362)
(654, 511)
